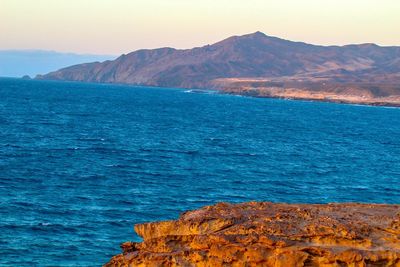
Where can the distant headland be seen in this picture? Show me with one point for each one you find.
(258, 65)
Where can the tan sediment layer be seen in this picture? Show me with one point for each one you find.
(361, 98)
(268, 234)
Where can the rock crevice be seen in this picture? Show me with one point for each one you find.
(268, 234)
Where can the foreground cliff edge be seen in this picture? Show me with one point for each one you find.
(268, 234)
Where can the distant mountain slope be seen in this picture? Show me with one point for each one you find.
(16, 63)
(249, 56)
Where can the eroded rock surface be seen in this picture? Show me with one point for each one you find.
(268, 234)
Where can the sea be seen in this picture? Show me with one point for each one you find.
(81, 163)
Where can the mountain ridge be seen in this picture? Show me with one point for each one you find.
(252, 56)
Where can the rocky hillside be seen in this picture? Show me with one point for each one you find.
(249, 56)
(267, 234)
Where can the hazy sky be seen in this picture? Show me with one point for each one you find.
(120, 26)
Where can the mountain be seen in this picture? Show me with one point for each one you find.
(17, 63)
(254, 61)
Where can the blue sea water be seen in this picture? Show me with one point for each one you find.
(80, 164)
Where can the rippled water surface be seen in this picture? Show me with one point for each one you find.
(81, 163)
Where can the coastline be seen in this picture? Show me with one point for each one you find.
(267, 92)
(305, 154)
(296, 94)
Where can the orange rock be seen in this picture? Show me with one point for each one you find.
(268, 234)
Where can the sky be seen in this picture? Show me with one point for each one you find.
(121, 26)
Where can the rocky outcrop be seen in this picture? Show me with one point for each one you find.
(268, 234)
(363, 93)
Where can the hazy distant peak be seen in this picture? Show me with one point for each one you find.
(255, 35)
(258, 39)
(17, 63)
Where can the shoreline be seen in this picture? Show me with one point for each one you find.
(339, 99)
(272, 93)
